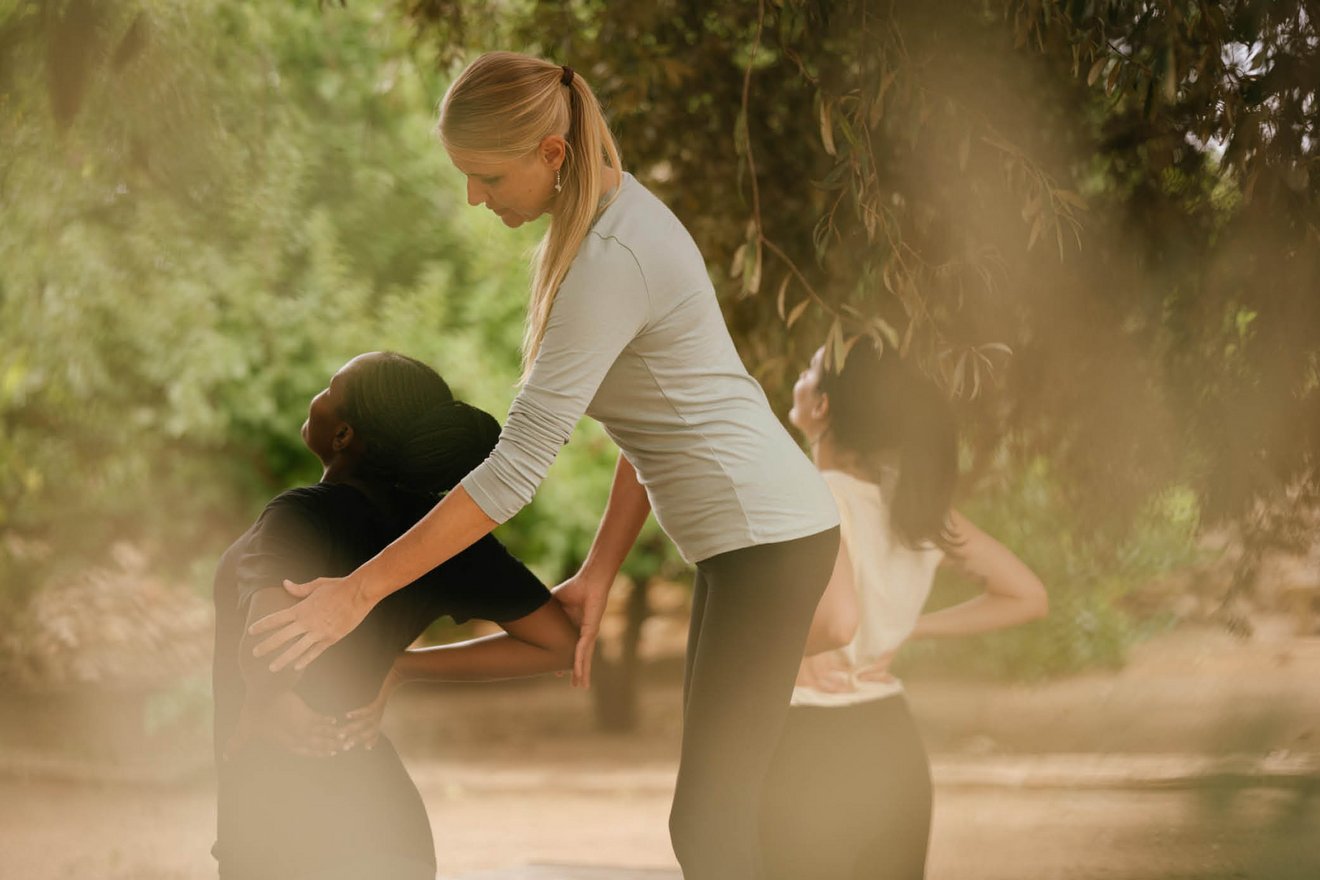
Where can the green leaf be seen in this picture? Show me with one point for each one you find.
(1070, 198)
(1096, 69)
(826, 127)
(797, 313)
(739, 261)
(752, 278)
(834, 346)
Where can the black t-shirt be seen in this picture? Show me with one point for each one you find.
(277, 811)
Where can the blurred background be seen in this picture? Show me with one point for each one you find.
(1096, 222)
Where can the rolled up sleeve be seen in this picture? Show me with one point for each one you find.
(602, 305)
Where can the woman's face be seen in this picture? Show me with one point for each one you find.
(517, 190)
(324, 424)
(809, 414)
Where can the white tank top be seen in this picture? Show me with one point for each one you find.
(892, 582)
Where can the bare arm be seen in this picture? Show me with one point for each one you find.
(531, 645)
(625, 514)
(835, 621)
(1012, 594)
(584, 594)
(536, 643)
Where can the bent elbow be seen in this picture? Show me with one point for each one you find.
(1039, 607)
(840, 633)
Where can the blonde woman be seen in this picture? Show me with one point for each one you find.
(624, 326)
(849, 793)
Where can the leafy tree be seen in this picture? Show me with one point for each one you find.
(1122, 195)
(205, 214)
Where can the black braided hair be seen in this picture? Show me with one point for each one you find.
(417, 436)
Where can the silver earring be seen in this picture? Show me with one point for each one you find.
(559, 184)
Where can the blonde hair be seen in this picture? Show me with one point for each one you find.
(501, 107)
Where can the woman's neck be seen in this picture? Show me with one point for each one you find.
(342, 470)
(829, 456)
(826, 453)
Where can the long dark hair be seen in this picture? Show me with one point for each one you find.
(417, 436)
(883, 410)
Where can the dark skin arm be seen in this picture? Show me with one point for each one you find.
(540, 642)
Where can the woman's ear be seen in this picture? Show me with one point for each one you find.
(821, 410)
(343, 437)
(553, 151)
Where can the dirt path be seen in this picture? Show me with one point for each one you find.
(1032, 782)
(57, 831)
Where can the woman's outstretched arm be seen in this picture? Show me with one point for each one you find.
(333, 607)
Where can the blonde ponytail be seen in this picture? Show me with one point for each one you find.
(501, 107)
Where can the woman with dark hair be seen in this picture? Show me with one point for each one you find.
(849, 793)
(306, 786)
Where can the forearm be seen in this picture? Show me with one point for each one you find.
(837, 615)
(835, 622)
(484, 659)
(981, 614)
(450, 527)
(625, 514)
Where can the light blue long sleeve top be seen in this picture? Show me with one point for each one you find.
(635, 339)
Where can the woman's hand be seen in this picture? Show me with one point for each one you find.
(362, 726)
(828, 672)
(583, 599)
(286, 721)
(330, 611)
(878, 669)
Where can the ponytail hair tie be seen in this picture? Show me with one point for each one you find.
(567, 78)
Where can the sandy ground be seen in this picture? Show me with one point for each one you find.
(1103, 776)
(61, 831)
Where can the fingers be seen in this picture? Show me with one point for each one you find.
(360, 733)
(836, 683)
(294, 652)
(875, 675)
(582, 658)
(316, 651)
(275, 642)
(302, 591)
(272, 621)
(316, 746)
(879, 669)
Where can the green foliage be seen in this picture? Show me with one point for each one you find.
(221, 208)
(1088, 574)
(208, 209)
(1096, 222)
(1093, 185)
